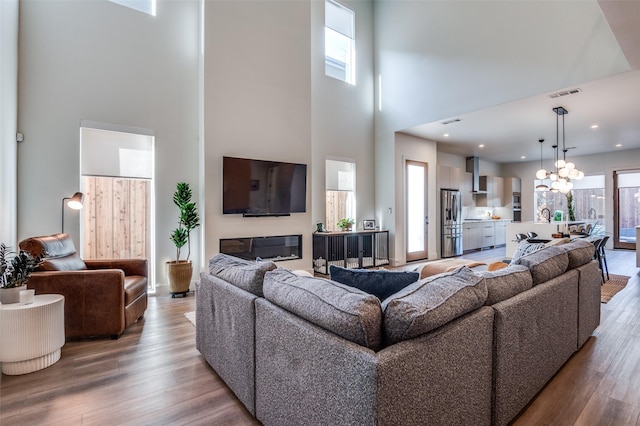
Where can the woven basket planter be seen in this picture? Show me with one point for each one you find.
(179, 274)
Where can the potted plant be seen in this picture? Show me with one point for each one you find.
(345, 224)
(180, 271)
(14, 273)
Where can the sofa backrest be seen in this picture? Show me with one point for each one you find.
(58, 251)
(246, 275)
(579, 251)
(545, 264)
(341, 309)
(430, 303)
(505, 283)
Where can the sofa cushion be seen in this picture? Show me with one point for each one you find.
(524, 248)
(503, 284)
(244, 274)
(134, 287)
(580, 252)
(381, 284)
(341, 309)
(430, 303)
(545, 264)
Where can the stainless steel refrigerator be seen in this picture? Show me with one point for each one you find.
(451, 219)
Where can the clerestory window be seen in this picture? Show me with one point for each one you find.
(339, 42)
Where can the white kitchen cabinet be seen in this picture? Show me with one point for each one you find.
(466, 187)
(471, 236)
(448, 177)
(494, 187)
(488, 234)
(500, 233)
(497, 199)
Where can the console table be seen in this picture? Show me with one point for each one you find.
(361, 249)
(31, 335)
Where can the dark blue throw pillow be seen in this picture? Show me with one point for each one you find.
(381, 284)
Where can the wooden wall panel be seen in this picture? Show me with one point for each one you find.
(117, 218)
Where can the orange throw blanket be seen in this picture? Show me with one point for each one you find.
(446, 265)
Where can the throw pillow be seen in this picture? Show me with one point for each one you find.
(496, 266)
(524, 248)
(381, 284)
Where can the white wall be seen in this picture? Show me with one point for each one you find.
(8, 120)
(257, 81)
(266, 97)
(103, 62)
(440, 59)
(342, 114)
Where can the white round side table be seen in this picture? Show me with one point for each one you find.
(31, 335)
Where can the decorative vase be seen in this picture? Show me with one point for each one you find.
(179, 274)
(11, 295)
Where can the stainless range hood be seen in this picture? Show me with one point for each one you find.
(474, 168)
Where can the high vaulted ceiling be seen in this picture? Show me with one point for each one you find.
(510, 131)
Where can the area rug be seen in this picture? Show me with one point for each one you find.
(191, 316)
(611, 287)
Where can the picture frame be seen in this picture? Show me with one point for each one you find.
(368, 224)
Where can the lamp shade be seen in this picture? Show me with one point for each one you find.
(76, 201)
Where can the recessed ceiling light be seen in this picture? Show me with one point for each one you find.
(522, 157)
(618, 145)
(446, 135)
(481, 145)
(595, 126)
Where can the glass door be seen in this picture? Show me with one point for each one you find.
(416, 208)
(626, 203)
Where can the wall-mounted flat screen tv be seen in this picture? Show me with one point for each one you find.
(263, 188)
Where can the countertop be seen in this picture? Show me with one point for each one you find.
(485, 220)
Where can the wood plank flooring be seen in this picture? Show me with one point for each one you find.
(153, 375)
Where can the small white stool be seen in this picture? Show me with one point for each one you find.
(31, 335)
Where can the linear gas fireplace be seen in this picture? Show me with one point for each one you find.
(278, 248)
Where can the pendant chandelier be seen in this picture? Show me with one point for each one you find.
(565, 170)
(541, 173)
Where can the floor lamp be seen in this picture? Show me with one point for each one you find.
(75, 203)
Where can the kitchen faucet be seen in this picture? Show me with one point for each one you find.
(548, 215)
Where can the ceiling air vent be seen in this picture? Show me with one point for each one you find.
(455, 120)
(565, 93)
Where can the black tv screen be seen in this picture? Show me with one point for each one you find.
(263, 188)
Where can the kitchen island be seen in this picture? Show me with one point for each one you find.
(543, 229)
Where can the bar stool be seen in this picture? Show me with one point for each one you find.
(602, 256)
(520, 237)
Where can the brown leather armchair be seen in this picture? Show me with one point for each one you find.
(102, 297)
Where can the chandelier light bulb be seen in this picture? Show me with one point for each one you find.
(555, 185)
(569, 185)
(570, 165)
(563, 172)
(580, 175)
(560, 163)
(573, 173)
(541, 174)
(553, 176)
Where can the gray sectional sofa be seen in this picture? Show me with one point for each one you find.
(457, 348)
